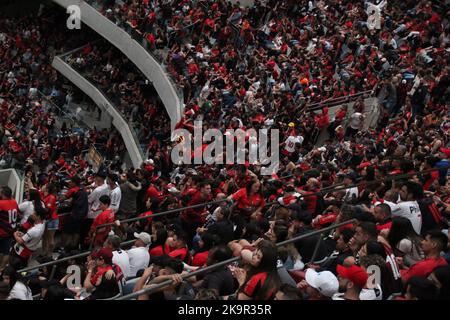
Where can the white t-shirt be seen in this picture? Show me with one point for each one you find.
(116, 196)
(371, 294)
(139, 259)
(94, 203)
(411, 211)
(121, 258)
(20, 291)
(33, 236)
(291, 141)
(355, 120)
(27, 209)
(352, 193)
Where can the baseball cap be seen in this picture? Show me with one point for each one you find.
(354, 273)
(325, 281)
(291, 124)
(144, 236)
(103, 253)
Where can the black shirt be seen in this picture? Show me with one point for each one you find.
(222, 280)
(307, 245)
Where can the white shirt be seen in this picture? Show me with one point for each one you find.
(352, 193)
(371, 294)
(116, 196)
(33, 236)
(411, 211)
(121, 258)
(94, 202)
(355, 120)
(291, 141)
(139, 259)
(20, 291)
(27, 209)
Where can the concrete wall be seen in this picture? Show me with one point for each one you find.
(10, 178)
(130, 140)
(136, 53)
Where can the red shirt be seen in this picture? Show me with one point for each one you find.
(245, 201)
(71, 192)
(195, 215)
(383, 226)
(422, 268)
(159, 251)
(8, 217)
(255, 283)
(152, 192)
(200, 259)
(99, 273)
(179, 253)
(104, 217)
(50, 203)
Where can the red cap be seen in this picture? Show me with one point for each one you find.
(355, 274)
(103, 253)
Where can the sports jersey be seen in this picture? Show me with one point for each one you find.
(9, 211)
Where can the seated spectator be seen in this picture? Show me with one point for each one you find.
(262, 280)
(418, 288)
(432, 246)
(138, 255)
(352, 280)
(17, 286)
(318, 285)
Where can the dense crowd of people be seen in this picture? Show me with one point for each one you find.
(253, 68)
(126, 87)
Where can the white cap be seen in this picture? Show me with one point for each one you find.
(144, 236)
(325, 282)
(149, 161)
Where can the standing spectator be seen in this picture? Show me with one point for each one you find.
(101, 189)
(129, 188)
(9, 214)
(28, 206)
(28, 243)
(79, 209)
(49, 191)
(115, 192)
(97, 236)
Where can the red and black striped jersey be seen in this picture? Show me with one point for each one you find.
(9, 216)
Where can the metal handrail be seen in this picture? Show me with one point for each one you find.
(331, 102)
(227, 262)
(54, 262)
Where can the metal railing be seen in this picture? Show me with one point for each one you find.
(333, 102)
(235, 259)
(55, 262)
